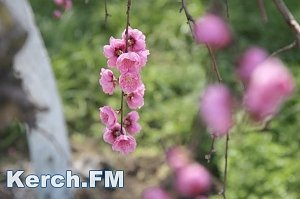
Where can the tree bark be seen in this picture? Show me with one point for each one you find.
(48, 142)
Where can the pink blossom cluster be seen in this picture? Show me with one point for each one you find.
(63, 5)
(267, 81)
(127, 58)
(192, 180)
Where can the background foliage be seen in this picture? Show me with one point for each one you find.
(261, 164)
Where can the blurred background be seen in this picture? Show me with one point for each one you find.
(262, 164)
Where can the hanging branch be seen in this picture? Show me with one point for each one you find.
(285, 48)
(106, 13)
(289, 18)
(262, 10)
(126, 50)
(189, 17)
(218, 76)
(227, 8)
(214, 63)
(211, 151)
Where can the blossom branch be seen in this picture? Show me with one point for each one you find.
(214, 63)
(189, 17)
(285, 48)
(289, 18)
(126, 50)
(262, 10)
(211, 151)
(225, 167)
(227, 8)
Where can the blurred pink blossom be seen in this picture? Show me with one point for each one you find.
(124, 144)
(177, 158)
(64, 4)
(249, 61)
(155, 193)
(216, 109)
(68, 4)
(270, 84)
(212, 30)
(193, 180)
(108, 116)
(57, 14)
(107, 81)
(131, 123)
(59, 2)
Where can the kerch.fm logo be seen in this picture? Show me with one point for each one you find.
(111, 179)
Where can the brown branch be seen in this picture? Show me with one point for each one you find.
(225, 167)
(126, 50)
(285, 48)
(262, 10)
(106, 13)
(214, 63)
(289, 18)
(227, 8)
(189, 17)
(211, 151)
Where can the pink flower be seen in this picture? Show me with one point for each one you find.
(130, 81)
(177, 158)
(216, 109)
(269, 86)
(110, 134)
(125, 144)
(131, 123)
(107, 81)
(212, 30)
(135, 100)
(112, 51)
(143, 57)
(136, 40)
(249, 61)
(193, 180)
(108, 116)
(57, 14)
(155, 193)
(129, 62)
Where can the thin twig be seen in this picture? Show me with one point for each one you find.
(126, 50)
(285, 48)
(227, 8)
(211, 151)
(189, 17)
(214, 63)
(106, 13)
(225, 167)
(262, 10)
(289, 18)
